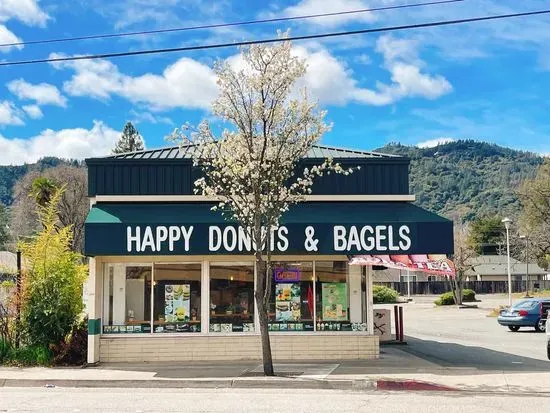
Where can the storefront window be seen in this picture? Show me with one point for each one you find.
(291, 305)
(231, 298)
(177, 298)
(332, 296)
(127, 299)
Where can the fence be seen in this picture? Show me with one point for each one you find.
(480, 287)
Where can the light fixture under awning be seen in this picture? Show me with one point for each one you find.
(437, 264)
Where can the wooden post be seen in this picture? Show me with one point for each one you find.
(396, 321)
(401, 323)
(18, 306)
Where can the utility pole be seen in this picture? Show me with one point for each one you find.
(506, 222)
(526, 258)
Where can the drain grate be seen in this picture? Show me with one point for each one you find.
(277, 373)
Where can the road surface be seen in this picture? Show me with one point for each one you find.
(259, 401)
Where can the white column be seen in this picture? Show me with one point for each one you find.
(355, 299)
(369, 298)
(95, 281)
(106, 303)
(205, 297)
(119, 294)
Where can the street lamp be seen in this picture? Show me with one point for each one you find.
(526, 265)
(507, 222)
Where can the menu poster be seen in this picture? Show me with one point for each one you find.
(335, 301)
(287, 302)
(177, 303)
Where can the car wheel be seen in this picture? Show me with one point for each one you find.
(541, 325)
(548, 350)
(513, 328)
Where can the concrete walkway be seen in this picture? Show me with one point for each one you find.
(395, 370)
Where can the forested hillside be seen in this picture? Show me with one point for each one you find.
(10, 174)
(467, 179)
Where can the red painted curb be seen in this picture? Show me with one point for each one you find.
(411, 385)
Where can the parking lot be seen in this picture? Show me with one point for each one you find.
(469, 339)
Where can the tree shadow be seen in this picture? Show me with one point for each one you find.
(452, 355)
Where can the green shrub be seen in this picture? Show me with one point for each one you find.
(5, 351)
(52, 283)
(382, 294)
(32, 355)
(73, 350)
(468, 296)
(27, 355)
(448, 298)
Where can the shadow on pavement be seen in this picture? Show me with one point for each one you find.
(418, 356)
(452, 355)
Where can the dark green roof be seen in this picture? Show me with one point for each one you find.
(186, 152)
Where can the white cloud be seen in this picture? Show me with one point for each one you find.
(42, 94)
(33, 111)
(330, 80)
(363, 59)
(7, 37)
(309, 7)
(434, 142)
(191, 84)
(139, 117)
(75, 143)
(27, 11)
(183, 84)
(9, 114)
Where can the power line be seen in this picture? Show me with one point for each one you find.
(219, 25)
(275, 40)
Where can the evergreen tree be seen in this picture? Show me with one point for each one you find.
(130, 140)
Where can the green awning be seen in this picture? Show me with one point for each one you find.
(338, 228)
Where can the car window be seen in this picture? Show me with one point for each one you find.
(525, 305)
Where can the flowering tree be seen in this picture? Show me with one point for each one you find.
(251, 170)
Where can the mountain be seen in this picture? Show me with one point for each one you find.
(467, 179)
(10, 174)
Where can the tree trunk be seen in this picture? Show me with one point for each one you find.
(262, 314)
(458, 289)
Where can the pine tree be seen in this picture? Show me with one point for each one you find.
(130, 140)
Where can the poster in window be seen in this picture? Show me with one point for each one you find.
(287, 302)
(335, 301)
(177, 303)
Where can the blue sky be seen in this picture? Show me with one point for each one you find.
(486, 81)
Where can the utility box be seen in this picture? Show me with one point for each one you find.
(382, 324)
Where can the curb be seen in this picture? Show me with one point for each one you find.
(278, 383)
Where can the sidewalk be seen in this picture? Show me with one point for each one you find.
(396, 370)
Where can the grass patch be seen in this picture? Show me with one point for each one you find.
(496, 311)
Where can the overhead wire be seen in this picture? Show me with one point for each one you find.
(231, 24)
(275, 40)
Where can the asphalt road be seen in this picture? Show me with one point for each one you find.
(468, 338)
(258, 401)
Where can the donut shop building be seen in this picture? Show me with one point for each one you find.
(172, 280)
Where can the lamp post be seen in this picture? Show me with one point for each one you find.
(507, 222)
(526, 265)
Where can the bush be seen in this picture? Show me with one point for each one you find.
(73, 350)
(382, 294)
(29, 355)
(5, 351)
(52, 284)
(447, 298)
(468, 296)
